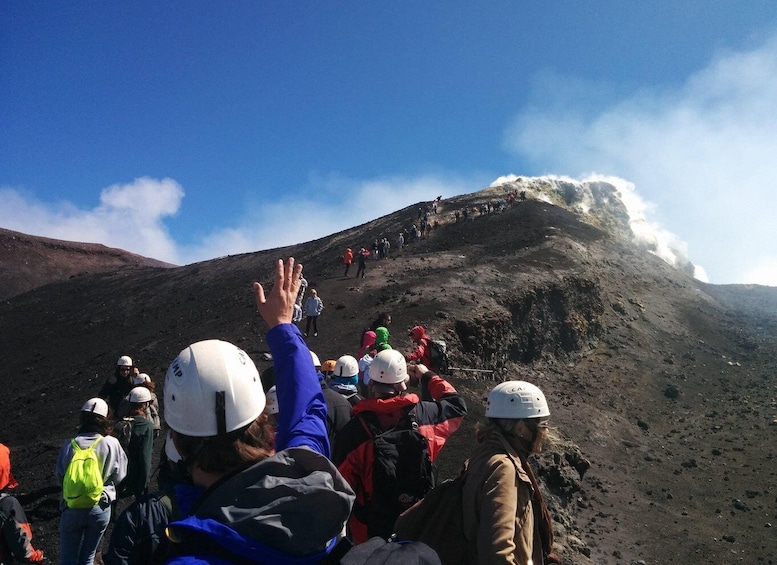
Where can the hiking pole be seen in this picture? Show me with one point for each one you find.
(471, 370)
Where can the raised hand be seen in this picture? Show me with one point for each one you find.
(278, 307)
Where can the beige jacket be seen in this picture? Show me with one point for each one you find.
(499, 519)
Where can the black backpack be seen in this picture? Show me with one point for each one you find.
(438, 354)
(139, 531)
(402, 471)
(122, 430)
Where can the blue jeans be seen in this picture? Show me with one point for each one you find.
(80, 532)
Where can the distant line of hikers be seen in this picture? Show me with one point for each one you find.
(305, 463)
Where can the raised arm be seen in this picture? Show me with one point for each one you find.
(301, 406)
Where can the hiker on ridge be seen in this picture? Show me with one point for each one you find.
(508, 521)
(81, 527)
(15, 530)
(391, 407)
(362, 257)
(347, 259)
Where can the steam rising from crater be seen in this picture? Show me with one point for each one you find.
(612, 203)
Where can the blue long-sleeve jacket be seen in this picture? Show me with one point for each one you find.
(301, 405)
(287, 509)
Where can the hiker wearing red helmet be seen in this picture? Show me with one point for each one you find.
(422, 353)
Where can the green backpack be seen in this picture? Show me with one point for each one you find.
(83, 484)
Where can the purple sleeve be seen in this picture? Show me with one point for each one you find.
(301, 406)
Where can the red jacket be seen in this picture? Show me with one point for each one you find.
(422, 352)
(6, 477)
(438, 415)
(348, 257)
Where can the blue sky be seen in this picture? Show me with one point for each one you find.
(189, 130)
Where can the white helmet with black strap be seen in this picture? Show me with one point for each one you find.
(346, 367)
(212, 388)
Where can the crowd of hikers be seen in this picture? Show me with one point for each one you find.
(426, 221)
(381, 246)
(307, 462)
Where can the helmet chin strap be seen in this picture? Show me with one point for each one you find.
(221, 413)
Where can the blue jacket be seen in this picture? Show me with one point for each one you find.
(314, 306)
(287, 509)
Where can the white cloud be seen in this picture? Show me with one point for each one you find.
(150, 197)
(132, 216)
(703, 153)
(129, 217)
(762, 271)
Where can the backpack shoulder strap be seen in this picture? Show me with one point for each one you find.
(95, 442)
(410, 418)
(370, 423)
(77, 447)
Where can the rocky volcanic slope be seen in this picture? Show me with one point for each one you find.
(28, 261)
(662, 396)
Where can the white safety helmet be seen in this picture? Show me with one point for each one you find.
(212, 388)
(316, 360)
(516, 400)
(140, 379)
(124, 361)
(346, 367)
(139, 394)
(389, 367)
(272, 401)
(96, 406)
